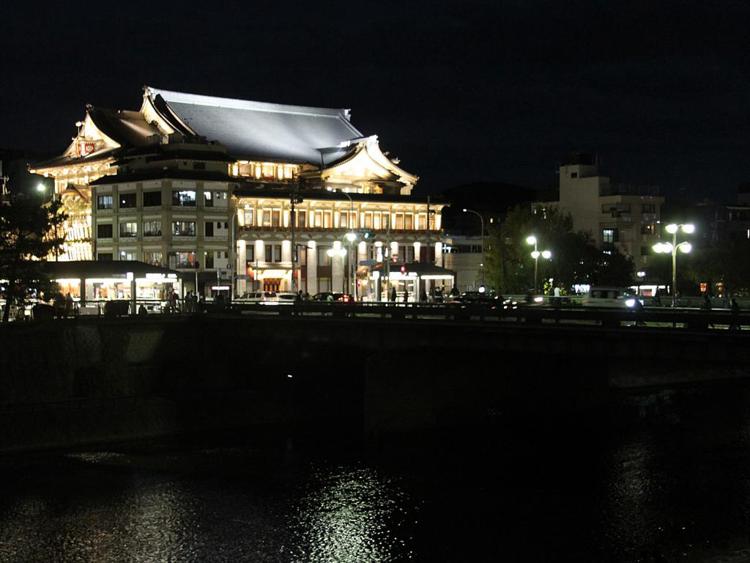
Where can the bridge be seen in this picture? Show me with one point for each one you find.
(384, 367)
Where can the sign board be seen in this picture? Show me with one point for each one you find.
(224, 274)
(370, 263)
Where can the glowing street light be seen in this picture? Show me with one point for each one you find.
(671, 248)
(535, 254)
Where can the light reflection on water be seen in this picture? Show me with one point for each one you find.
(669, 479)
(350, 515)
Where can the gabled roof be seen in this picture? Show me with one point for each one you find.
(259, 130)
(126, 127)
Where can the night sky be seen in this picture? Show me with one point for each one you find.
(460, 91)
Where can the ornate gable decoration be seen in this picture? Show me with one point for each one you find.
(90, 140)
(368, 163)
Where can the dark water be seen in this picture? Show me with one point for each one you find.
(655, 476)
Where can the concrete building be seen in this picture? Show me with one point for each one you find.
(207, 184)
(616, 216)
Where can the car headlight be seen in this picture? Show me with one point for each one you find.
(630, 302)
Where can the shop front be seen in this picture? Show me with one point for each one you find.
(411, 282)
(93, 283)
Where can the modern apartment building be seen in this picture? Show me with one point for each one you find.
(616, 216)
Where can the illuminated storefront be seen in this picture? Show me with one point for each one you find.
(91, 283)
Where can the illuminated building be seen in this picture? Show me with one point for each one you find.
(203, 183)
(616, 216)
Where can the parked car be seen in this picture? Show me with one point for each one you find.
(488, 298)
(333, 297)
(285, 298)
(256, 297)
(616, 297)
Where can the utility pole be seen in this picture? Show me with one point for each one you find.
(294, 199)
(387, 255)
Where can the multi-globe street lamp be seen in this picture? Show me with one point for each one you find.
(671, 248)
(481, 220)
(535, 254)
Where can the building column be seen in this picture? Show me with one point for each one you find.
(260, 251)
(362, 289)
(394, 251)
(286, 258)
(337, 269)
(417, 248)
(312, 267)
(240, 268)
(378, 251)
(439, 254)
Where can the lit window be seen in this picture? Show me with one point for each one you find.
(183, 198)
(183, 228)
(104, 202)
(129, 229)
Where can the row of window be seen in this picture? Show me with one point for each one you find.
(272, 254)
(272, 217)
(152, 228)
(180, 198)
(617, 209)
(612, 234)
(216, 259)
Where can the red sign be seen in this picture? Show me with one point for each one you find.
(85, 148)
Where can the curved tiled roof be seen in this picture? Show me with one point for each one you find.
(259, 130)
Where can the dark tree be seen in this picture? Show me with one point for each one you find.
(30, 231)
(575, 258)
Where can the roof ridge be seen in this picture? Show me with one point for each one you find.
(237, 103)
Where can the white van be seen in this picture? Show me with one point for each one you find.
(618, 297)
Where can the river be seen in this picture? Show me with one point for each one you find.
(658, 475)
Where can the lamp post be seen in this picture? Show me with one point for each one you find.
(671, 248)
(535, 254)
(294, 198)
(351, 236)
(481, 220)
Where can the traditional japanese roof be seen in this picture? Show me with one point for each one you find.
(259, 130)
(128, 128)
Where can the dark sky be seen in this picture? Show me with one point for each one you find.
(460, 91)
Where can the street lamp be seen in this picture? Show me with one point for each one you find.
(481, 220)
(350, 236)
(535, 254)
(671, 248)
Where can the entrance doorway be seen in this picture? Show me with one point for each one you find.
(272, 284)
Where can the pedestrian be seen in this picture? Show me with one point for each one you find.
(406, 295)
(657, 299)
(706, 302)
(735, 308)
(142, 312)
(454, 292)
(393, 294)
(173, 301)
(68, 305)
(423, 296)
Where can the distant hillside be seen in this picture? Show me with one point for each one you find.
(491, 199)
